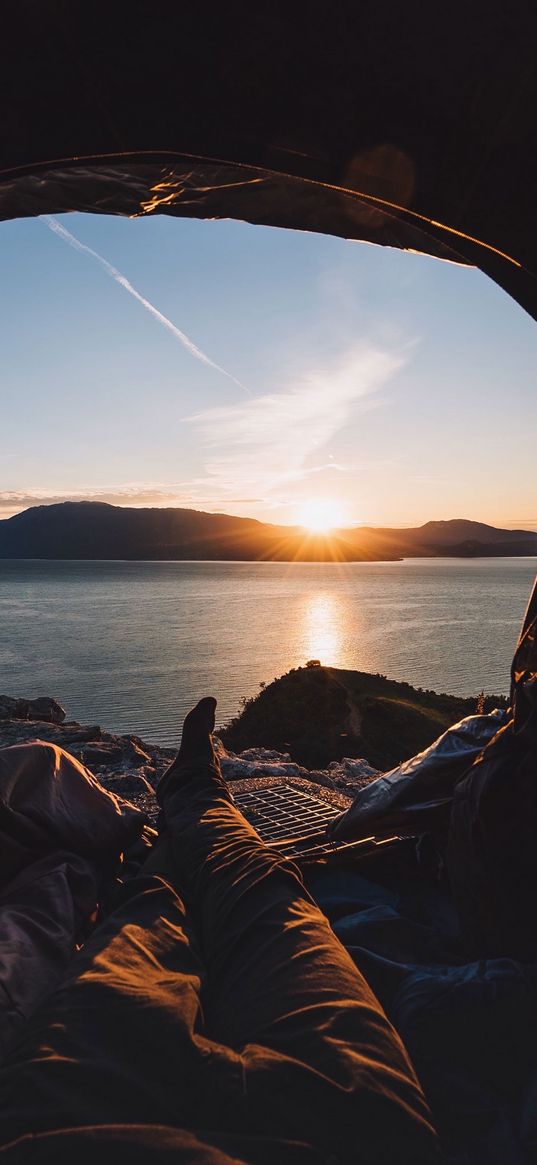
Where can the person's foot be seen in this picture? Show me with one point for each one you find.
(196, 745)
(196, 736)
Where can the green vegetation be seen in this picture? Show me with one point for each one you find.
(320, 714)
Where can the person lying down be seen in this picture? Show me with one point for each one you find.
(213, 1017)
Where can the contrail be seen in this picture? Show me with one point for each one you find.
(66, 235)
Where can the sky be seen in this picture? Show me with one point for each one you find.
(260, 372)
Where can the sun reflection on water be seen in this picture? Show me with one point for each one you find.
(322, 633)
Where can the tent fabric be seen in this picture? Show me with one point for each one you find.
(393, 124)
(49, 800)
(491, 845)
(61, 836)
(43, 913)
(417, 794)
(469, 1026)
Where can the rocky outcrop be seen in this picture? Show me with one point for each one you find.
(132, 768)
(122, 764)
(44, 708)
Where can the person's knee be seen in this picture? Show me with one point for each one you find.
(339, 1102)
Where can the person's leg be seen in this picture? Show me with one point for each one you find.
(313, 1057)
(121, 1040)
(320, 1056)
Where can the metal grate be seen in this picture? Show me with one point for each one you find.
(295, 822)
(285, 816)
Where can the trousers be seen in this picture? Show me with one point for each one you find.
(213, 1016)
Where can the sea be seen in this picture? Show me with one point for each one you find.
(132, 645)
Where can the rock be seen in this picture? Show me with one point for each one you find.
(11, 709)
(129, 785)
(258, 762)
(351, 774)
(44, 709)
(100, 753)
(322, 777)
(266, 756)
(130, 767)
(67, 735)
(356, 768)
(14, 709)
(133, 748)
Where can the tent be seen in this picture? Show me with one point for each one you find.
(403, 125)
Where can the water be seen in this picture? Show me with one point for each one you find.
(131, 645)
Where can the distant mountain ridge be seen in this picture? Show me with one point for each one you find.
(96, 530)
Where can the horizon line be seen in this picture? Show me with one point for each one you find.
(530, 524)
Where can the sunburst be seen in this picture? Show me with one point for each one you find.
(321, 515)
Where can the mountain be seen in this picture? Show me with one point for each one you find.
(457, 537)
(95, 530)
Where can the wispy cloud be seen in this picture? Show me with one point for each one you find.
(113, 272)
(129, 494)
(261, 454)
(266, 446)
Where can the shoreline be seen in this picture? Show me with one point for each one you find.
(132, 768)
(348, 723)
(289, 561)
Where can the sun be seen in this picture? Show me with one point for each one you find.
(321, 515)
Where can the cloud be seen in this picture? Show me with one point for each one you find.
(258, 454)
(268, 445)
(130, 494)
(72, 241)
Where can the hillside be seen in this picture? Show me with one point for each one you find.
(95, 530)
(320, 714)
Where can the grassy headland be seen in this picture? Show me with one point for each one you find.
(320, 714)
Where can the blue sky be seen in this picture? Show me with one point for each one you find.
(394, 386)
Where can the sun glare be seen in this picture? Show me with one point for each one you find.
(320, 515)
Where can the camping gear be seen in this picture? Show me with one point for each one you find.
(469, 1026)
(61, 838)
(387, 123)
(416, 795)
(492, 847)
